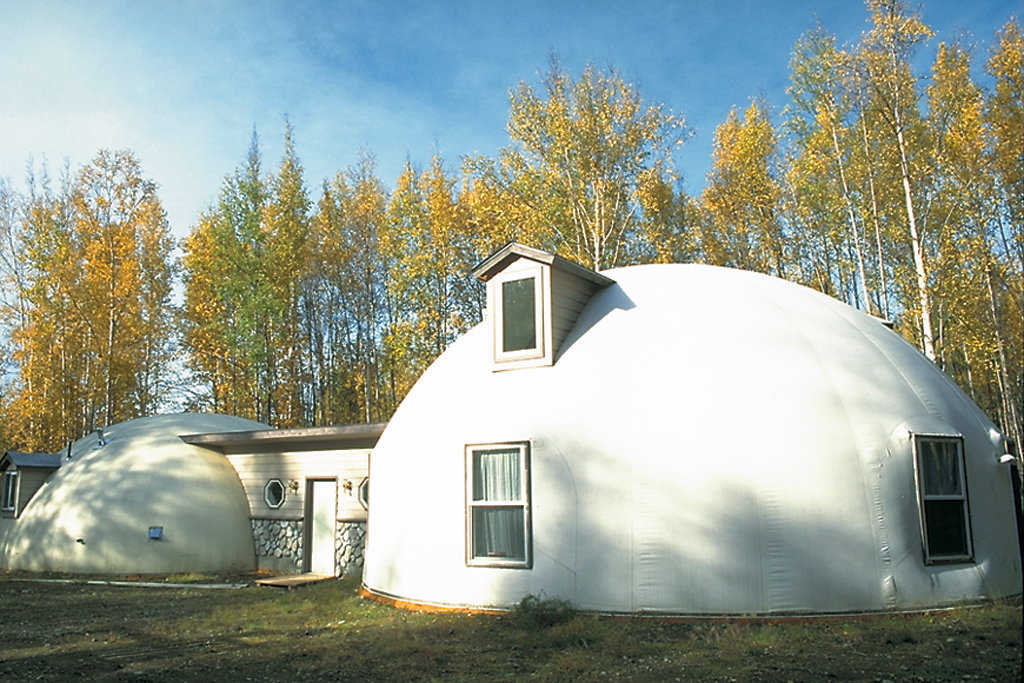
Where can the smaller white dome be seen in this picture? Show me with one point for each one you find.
(93, 515)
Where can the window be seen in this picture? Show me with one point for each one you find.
(518, 314)
(8, 496)
(518, 305)
(363, 493)
(498, 505)
(273, 493)
(942, 498)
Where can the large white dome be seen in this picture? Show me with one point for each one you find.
(93, 514)
(707, 441)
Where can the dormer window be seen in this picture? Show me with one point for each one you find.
(21, 475)
(9, 491)
(533, 300)
(519, 307)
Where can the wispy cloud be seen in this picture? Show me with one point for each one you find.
(183, 84)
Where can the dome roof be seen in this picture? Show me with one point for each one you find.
(93, 514)
(707, 440)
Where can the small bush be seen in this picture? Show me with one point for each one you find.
(539, 612)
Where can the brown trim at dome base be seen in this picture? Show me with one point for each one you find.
(400, 603)
(766, 618)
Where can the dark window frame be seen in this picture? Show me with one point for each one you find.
(923, 497)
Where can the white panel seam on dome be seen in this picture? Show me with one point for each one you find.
(879, 532)
(879, 527)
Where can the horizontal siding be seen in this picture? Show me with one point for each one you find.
(569, 295)
(564, 310)
(30, 480)
(256, 469)
(575, 296)
(569, 282)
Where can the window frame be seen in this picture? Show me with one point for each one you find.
(363, 493)
(520, 271)
(9, 474)
(922, 497)
(525, 502)
(266, 493)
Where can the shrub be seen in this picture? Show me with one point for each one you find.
(540, 612)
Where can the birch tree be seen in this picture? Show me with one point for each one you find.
(125, 288)
(225, 298)
(884, 64)
(822, 107)
(284, 232)
(740, 202)
(584, 145)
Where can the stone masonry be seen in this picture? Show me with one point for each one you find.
(279, 539)
(282, 540)
(349, 541)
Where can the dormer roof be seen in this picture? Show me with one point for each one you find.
(499, 260)
(48, 460)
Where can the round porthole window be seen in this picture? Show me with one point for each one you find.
(273, 493)
(364, 493)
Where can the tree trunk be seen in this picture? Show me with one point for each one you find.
(927, 336)
(883, 288)
(853, 219)
(1012, 417)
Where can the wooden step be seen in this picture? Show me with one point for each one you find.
(293, 580)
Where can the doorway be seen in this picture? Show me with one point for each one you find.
(321, 511)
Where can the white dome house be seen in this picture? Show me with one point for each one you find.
(132, 499)
(685, 439)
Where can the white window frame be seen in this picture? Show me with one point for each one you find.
(9, 491)
(266, 493)
(523, 501)
(923, 496)
(521, 271)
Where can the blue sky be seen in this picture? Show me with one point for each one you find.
(183, 84)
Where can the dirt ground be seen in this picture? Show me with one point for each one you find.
(58, 632)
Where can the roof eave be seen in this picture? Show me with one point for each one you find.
(306, 438)
(47, 461)
(496, 262)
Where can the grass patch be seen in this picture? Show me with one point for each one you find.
(186, 577)
(325, 631)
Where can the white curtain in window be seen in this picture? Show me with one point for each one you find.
(498, 532)
(497, 475)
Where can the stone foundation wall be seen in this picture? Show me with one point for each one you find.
(349, 542)
(278, 544)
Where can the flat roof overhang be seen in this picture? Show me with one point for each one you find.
(300, 439)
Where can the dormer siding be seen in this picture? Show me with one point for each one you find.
(569, 296)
